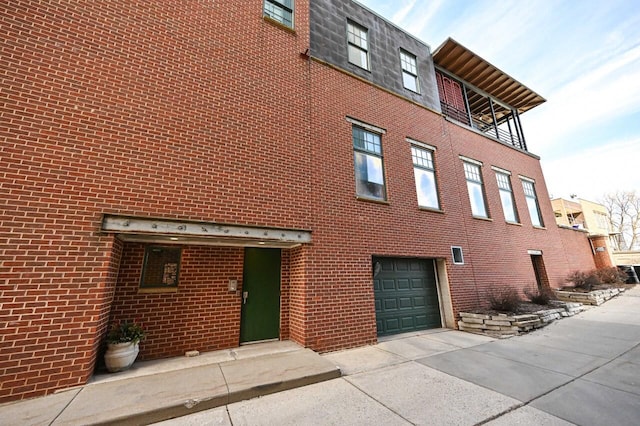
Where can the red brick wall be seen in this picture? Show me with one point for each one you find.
(203, 315)
(347, 231)
(167, 109)
(602, 259)
(578, 252)
(297, 300)
(54, 301)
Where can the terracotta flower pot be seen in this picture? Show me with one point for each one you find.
(120, 356)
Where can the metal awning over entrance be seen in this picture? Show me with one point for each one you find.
(174, 231)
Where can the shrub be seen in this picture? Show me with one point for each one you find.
(540, 296)
(583, 280)
(611, 275)
(504, 298)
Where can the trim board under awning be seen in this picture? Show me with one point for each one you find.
(174, 231)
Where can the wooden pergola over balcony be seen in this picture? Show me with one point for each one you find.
(476, 93)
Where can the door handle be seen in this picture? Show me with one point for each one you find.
(245, 296)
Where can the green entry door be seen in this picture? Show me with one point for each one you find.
(260, 318)
(406, 295)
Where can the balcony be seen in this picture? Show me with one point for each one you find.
(477, 94)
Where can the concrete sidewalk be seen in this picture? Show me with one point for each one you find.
(159, 390)
(583, 370)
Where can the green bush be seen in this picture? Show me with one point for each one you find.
(504, 298)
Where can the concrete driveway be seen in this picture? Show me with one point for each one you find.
(583, 370)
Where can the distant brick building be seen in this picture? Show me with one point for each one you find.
(235, 172)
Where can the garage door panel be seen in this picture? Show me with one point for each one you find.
(388, 285)
(421, 320)
(406, 297)
(393, 325)
(390, 305)
(405, 302)
(419, 302)
(386, 265)
(403, 284)
(408, 323)
(418, 283)
(401, 265)
(416, 265)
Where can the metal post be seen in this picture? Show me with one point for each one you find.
(466, 103)
(510, 131)
(493, 117)
(523, 143)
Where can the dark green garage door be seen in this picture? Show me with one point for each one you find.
(405, 294)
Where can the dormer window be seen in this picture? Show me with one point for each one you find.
(358, 45)
(409, 71)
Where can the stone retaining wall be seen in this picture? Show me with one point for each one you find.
(503, 325)
(596, 297)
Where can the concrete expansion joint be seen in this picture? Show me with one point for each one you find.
(502, 413)
(379, 402)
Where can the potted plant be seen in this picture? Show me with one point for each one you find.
(122, 345)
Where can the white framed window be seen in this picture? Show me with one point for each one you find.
(506, 197)
(279, 10)
(369, 171)
(532, 202)
(476, 189)
(456, 255)
(409, 71)
(425, 175)
(358, 45)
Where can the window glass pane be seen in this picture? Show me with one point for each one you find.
(426, 188)
(533, 211)
(528, 189)
(409, 81)
(422, 157)
(409, 71)
(532, 203)
(474, 185)
(357, 45)
(506, 197)
(161, 267)
(503, 181)
(477, 199)
(358, 57)
(366, 140)
(508, 206)
(281, 11)
(357, 36)
(472, 172)
(369, 176)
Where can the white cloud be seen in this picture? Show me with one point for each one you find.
(590, 173)
(403, 12)
(421, 17)
(600, 95)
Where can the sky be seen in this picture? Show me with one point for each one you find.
(582, 56)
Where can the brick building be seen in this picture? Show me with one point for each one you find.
(230, 173)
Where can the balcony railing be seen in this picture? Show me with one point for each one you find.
(508, 130)
(467, 106)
